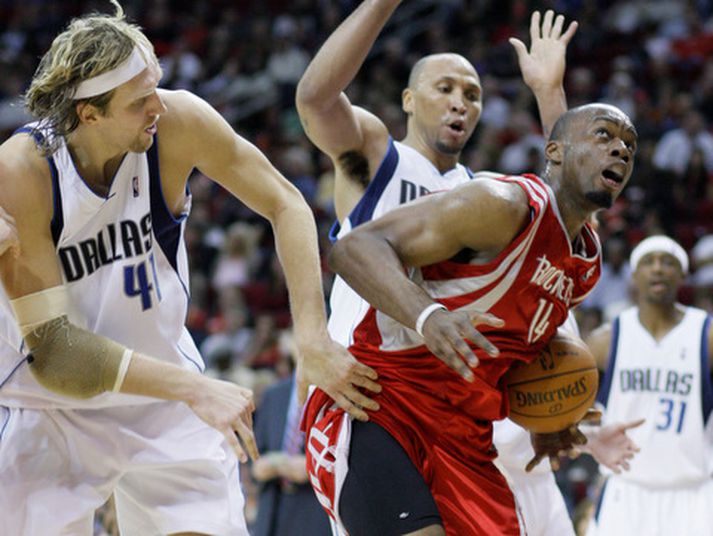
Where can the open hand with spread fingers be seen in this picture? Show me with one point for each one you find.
(329, 366)
(544, 64)
(611, 446)
(446, 332)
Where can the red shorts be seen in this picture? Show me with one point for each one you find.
(472, 496)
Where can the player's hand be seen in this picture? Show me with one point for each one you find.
(8, 234)
(229, 409)
(296, 469)
(611, 446)
(543, 66)
(559, 444)
(446, 332)
(333, 369)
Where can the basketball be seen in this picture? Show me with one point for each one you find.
(556, 389)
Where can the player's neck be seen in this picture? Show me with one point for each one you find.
(443, 162)
(95, 162)
(659, 318)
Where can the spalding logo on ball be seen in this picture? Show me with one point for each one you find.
(555, 390)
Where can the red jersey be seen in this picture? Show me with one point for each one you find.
(441, 420)
(531, 285)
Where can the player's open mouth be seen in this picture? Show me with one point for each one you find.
(612, 178)
(457, 127)
(151, 130)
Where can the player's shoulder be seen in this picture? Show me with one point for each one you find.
(599, 343)
(182, 108)
(494, 190)
(22, 163)
(188, 124)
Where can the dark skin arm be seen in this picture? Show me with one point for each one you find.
(483, 216)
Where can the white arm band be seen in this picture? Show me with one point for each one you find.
(123, 369)
(35, 309)
(428, 311)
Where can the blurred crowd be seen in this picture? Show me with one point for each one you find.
(652, 58)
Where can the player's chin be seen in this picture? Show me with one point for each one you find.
(141, 145)
(600, 198)
(449, 147)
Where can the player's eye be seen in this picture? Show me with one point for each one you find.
(444, 88)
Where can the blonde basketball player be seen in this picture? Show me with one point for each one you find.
(101, 385)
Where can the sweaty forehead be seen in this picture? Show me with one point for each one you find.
(448, 66)
(610, 114)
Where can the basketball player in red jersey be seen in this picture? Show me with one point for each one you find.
(511, 255)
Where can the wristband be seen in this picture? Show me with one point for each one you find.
(428, 311)
(123, 369)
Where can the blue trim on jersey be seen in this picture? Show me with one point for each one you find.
(605, 387)
(469, 172)
(57, 223)
(7, 378)
(166, 227)
(184, 354)
(364, 210)
(706, 385)
(334, 231)
(598, 509)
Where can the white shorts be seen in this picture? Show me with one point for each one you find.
(540, 501)
(626, 508)
(170, 472)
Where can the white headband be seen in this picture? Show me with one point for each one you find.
(133, 65)
(659, 244)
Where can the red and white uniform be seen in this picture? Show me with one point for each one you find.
(443, 422)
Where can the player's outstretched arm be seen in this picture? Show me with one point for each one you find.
(482, 216)
(543, 66)
(197, 132)
(328, 117)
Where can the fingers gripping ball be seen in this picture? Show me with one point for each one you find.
(556, 390)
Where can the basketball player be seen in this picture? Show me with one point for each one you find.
(98, 191)
(510, 255)
(393, 172)
(658, 357)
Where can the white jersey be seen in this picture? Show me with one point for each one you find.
(124, 263)
(667, 382)
(403, 175)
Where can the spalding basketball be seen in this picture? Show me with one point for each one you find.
(556, 390)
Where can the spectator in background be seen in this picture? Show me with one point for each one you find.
(525, 153)
(674, 151)
(237, 258)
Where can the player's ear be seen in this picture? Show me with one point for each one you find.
(553, 152)
(87, 113)
(407, 101)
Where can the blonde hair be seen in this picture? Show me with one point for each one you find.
(91, 45)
